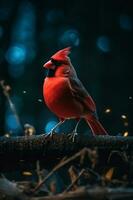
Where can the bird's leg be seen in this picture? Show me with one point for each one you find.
(74, 132)
(54, 128)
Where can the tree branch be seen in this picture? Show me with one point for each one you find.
(95, 193)
(37, 146)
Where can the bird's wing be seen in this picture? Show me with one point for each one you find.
(80, 93)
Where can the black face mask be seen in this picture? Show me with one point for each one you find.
(50, 72)
(56, 63)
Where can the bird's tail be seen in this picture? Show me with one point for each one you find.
(95, 125)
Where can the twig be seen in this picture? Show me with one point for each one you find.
(94, 173)
(6, 89)
(73, 173)
(38, 171)
(75, 181)
(57, 167)
(10, 189)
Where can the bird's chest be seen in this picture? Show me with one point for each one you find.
(56, 92)
(58, 97)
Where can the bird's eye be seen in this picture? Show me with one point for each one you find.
(55, 62)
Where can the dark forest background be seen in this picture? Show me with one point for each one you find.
(101, 35)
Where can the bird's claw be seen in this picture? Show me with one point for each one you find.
(73, 135)
(50, 134)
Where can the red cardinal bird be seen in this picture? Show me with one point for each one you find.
(66, 96)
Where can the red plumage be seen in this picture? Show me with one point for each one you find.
(66, 96)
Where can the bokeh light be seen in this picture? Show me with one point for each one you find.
(50, 125)
(40, 100)
(125, 123)
(27, 173)
(123, 116)
(125, 134)
(25, 22)
(107, 110)
(7, 135)
(11, 123)
(16, 54)
(126, 22)
(24, 91)
(103, 43)
(70, 37)
(23, 32)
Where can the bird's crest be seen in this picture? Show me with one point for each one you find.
(62, 54)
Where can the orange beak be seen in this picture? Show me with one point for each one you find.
(49, 65)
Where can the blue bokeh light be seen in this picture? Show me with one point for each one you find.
(70, 37)
(50, 125)
(23, 32)
(11, 123)
(126, 22)
(24, 28)
(103, 44)
(16, 54)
